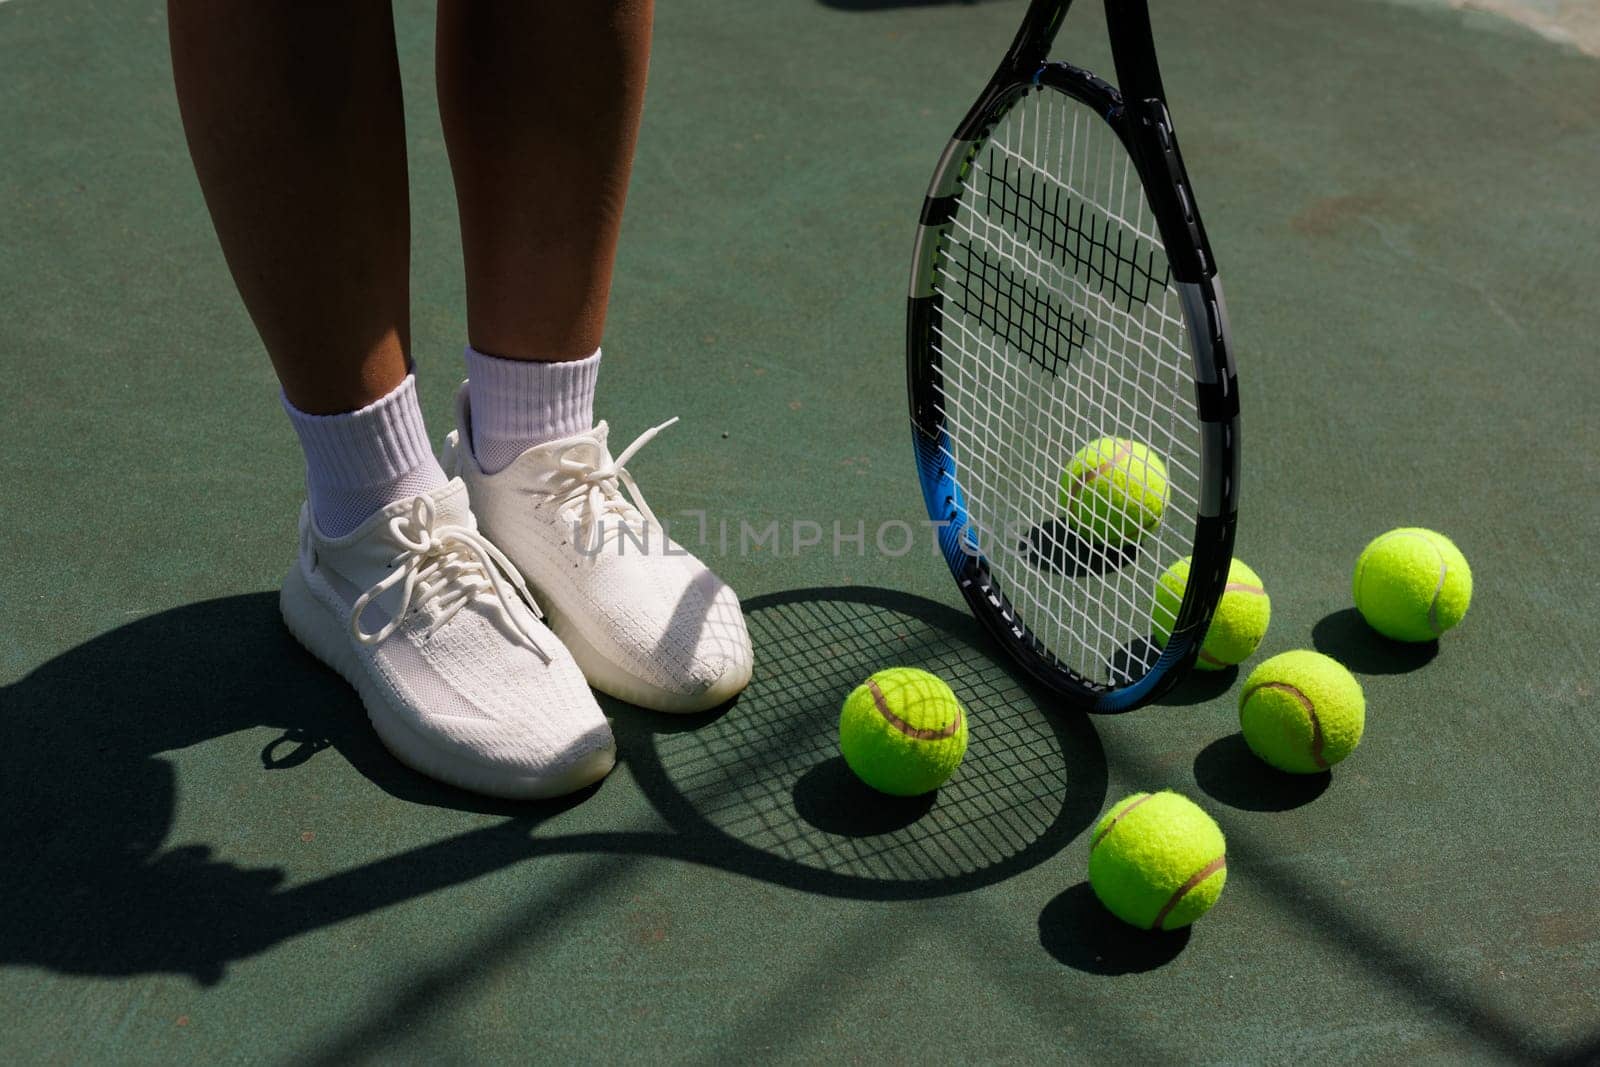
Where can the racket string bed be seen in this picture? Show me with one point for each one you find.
(1061, 326)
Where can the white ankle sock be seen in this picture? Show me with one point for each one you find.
(364, 460)
(517, 404)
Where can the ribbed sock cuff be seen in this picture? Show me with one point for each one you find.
(360, 461)
(517, 404)
(377, 443)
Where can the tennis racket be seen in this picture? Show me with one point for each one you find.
(1064, 303)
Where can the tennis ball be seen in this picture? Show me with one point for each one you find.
(1115, 490)
(1412, 584)
(903, 731)
(1238, 624)
(1302, 712)
(1157, 861)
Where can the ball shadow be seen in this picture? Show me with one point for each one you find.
(1230, 773)
(1078, 931)
(1053, 546)
(1200, 687)
(1346, 637)
(830, 797)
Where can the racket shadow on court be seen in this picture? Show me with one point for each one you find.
(759, 788)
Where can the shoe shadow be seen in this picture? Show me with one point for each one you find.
(90, 885)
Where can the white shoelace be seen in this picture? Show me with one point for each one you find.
(445, 567)
(597, 490)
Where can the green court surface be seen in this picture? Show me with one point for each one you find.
(209, 857)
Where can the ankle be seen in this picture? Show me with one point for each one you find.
(517, 404)
(359, 462)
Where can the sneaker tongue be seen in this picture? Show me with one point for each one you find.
(541, 465)
(587, 447)
(365, 562)
(452, 505)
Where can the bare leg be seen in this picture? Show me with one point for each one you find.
(294, 118)
(541, 106)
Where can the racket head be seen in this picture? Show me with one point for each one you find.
(1063, 291)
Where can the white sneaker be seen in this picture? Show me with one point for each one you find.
(647, 622)
(442, 639)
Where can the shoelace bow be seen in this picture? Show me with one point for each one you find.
(598, 489)
(445, 567)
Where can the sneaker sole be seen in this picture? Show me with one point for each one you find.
(325, 638)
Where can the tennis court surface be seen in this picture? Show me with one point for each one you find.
(211, 858)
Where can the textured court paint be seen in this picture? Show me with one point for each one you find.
(1574, 23)
(1403, 205)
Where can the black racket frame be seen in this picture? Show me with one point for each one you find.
(1137, 113)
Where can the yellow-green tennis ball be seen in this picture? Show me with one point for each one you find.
(1302, 712)
(1412, 584)
(903, 732)
(1115, 490)
(1157, 861)
(1237, 626)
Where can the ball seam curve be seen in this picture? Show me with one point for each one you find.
(913, 732)
(1310, 710)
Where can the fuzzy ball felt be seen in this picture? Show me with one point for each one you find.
(902, 731)
(1412, 584)
(1157, 861)
(1237, 626)
(1302, 712)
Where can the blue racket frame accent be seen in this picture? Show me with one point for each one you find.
(947, 507)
